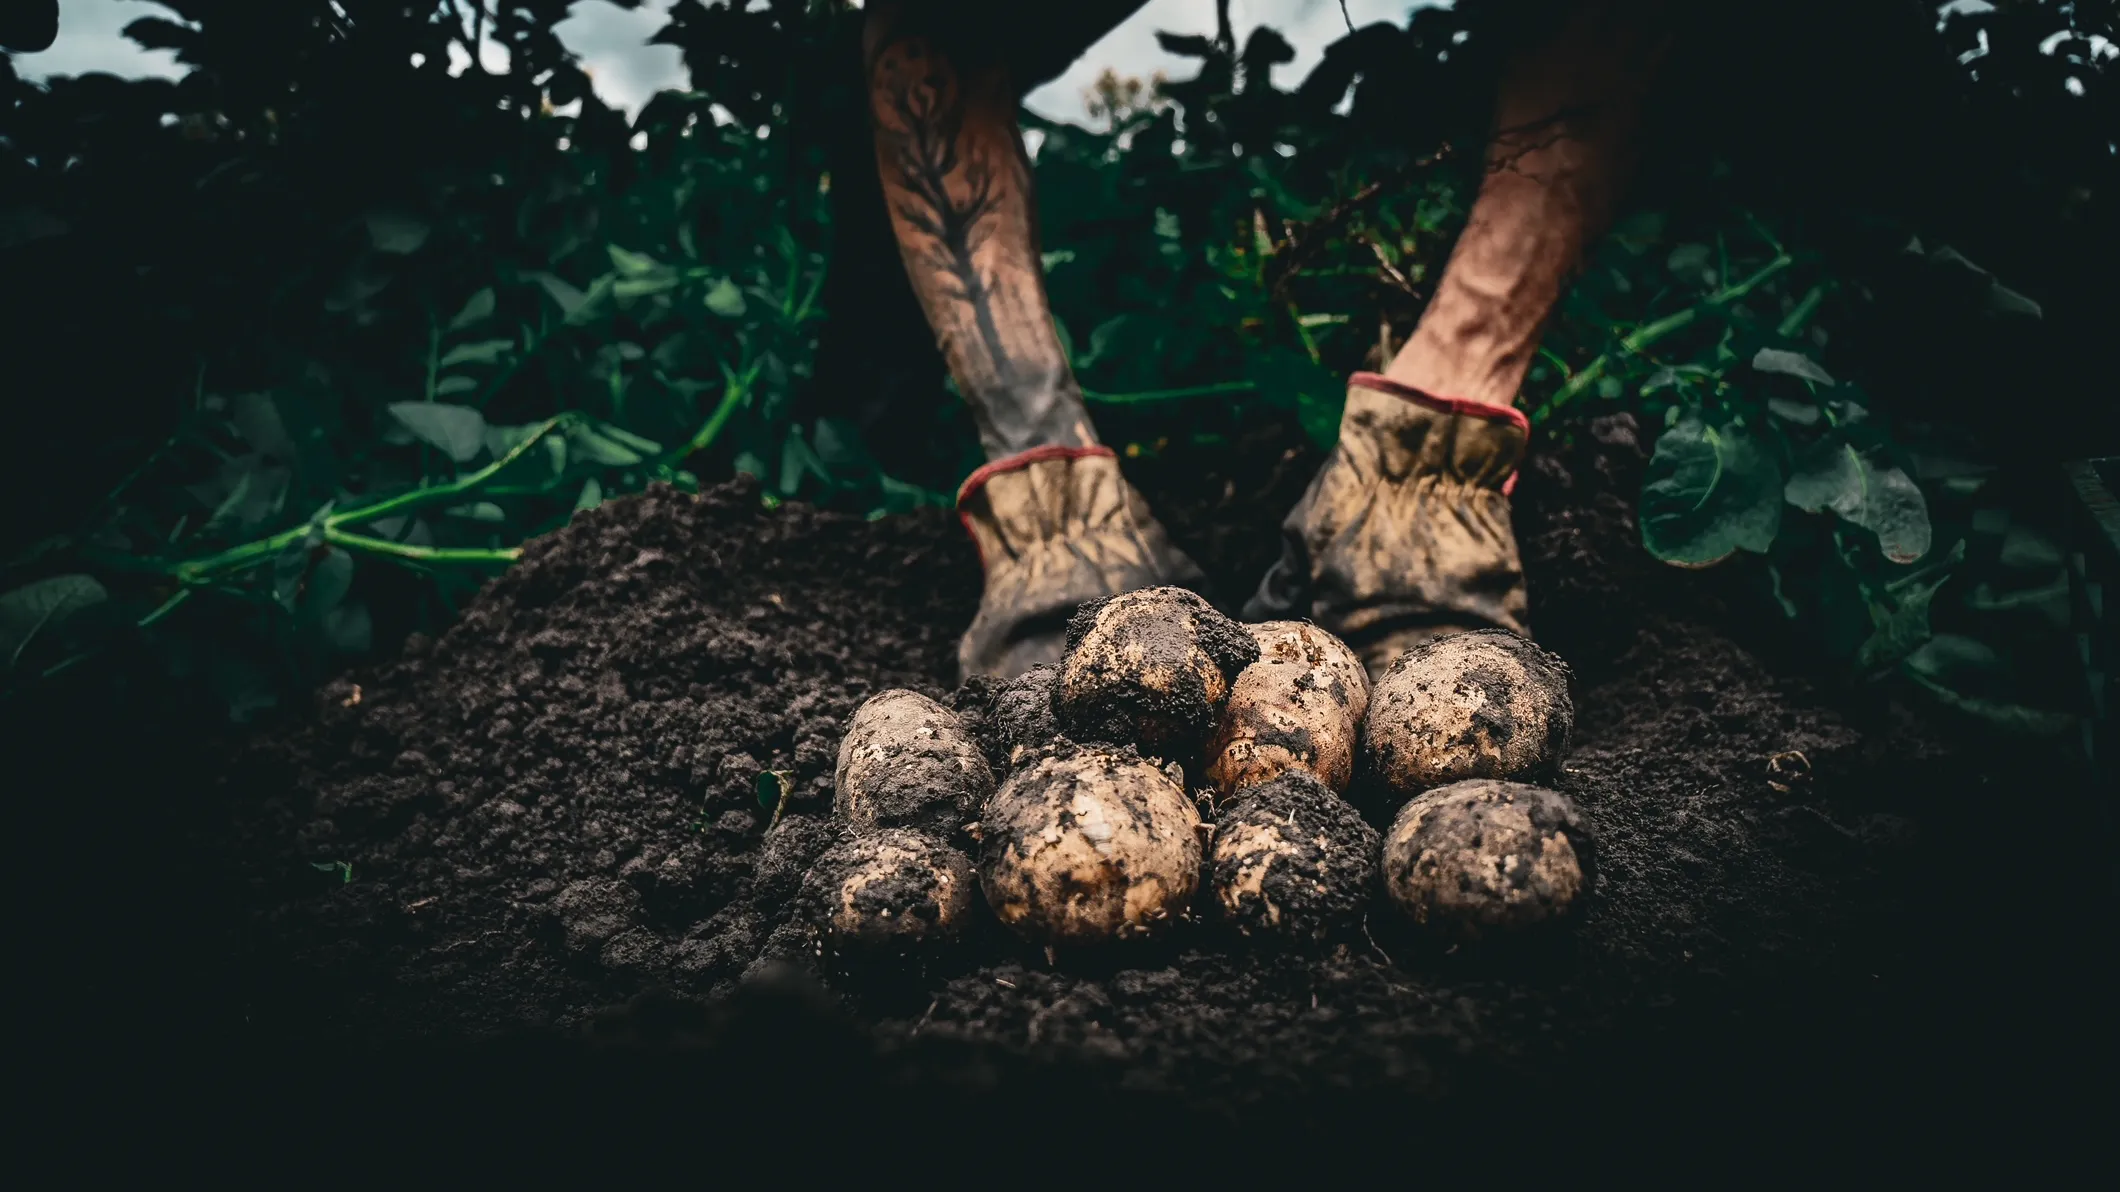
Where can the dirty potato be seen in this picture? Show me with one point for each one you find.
(1291, 861)
(1020, 718)
(1150, 668)
(1485, 704)
(1298, 707)
(1086, 845)
(1484, 857)
(909, 762)
(888, 889)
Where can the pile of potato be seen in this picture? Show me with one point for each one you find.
(1178, 765)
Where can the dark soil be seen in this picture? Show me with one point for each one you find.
(1812, 904)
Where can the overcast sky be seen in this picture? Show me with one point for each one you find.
(612, 43)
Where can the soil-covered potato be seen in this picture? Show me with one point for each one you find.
(1298, 707)
(1485, 704)
(908, 762)
(1086, 845)
(1020, 719)
(893, 888)
(1291, 860)
(1482, 857)
(1151, 668)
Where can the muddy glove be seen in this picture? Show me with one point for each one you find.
(1055, 526)
(1403, 536)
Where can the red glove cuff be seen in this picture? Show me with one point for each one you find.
(1023, 459)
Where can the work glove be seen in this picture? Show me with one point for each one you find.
(1403, 535)
(1055, 526)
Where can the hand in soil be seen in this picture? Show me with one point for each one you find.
(1479, 857)
(1151, 668)
(1485, 704)
(1299, 707)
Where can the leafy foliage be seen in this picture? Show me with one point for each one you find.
(382, 323)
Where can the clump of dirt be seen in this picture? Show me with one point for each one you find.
(553, 810)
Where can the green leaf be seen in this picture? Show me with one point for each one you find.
(566, 296)
(449, 386)
(1709, 492)
(725, 299)
(633, 264)
(396, 232)
(37, 608)
(350, 627)
(1692, 263)
(459, 431)
(638, 443)
(1955, 669)
(599, 448)
(1904, 626)
(1802, 413)
(629, 288)
(1795, 364)
(1290, 379)
(1881, 499)
(478, 511)
(478, 308)
(484, 351)
(329, 581)
(591, 496)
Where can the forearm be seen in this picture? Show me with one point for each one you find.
(1564, 145)
(957, 182)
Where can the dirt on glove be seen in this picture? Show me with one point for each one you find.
(554, 810)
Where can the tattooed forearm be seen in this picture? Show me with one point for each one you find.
(959, 188)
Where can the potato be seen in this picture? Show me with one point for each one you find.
(1291, 861)
(1482, 857)
(1298, 707)
(1089, 844)
(888, 889)
(1020, 718)
(1485, 704)
(1150, 668)
(908, 762)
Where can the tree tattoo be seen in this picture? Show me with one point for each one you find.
(958, 183)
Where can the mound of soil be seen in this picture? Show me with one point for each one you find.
(545, 830)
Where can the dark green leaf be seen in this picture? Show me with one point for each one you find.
(350, 627)
(1709, 492)
(450, 386)
(592, 495)
(725, 299)
(477, 309)
(1795, 364)
(479, 511)
(459, 431)
(633, 264)
(566, 296)
(396, 232)
(599, 448)
(1880, 498)
(484, 351)
(35, 609)
(1291, 380)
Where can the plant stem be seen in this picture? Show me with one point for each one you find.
(1648, 333)
(732, 396)
(1803, 311)
(252, 553)
(1151, 396)
(420, 554)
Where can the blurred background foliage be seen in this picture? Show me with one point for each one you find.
(316, 336)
